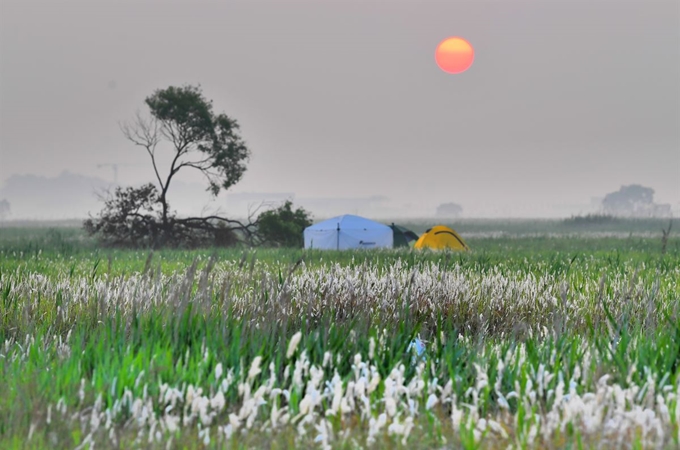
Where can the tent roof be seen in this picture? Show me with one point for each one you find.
(441, 237)
(348, 222)
(399, 228)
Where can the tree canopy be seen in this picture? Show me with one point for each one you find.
(201, 139)
(634, 200)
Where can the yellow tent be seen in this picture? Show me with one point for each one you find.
(441, 237)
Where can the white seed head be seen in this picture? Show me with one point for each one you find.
(293, 344)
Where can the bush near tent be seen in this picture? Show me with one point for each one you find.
(348, 232)
(441, 237)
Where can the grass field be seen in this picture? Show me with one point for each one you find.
(550, 334)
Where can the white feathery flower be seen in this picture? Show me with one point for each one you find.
(276, 414)
(456, 417)
(446, 392)
(482, 381)
(297, 376)
(390, 406)
(375, 381)
(81, 391)
(337, 398)
(224, 386)
(360, 387)
(324, 430)
(499, 375)
(395, 428)
(218, 371)
(234, 422)
(374, 427)
(306, 405)
(30, 431)
(201, 406)
(382, 420)
(327, 359)
(346, 405)
(432, 400)
(228, 431)
(255, 368)
(190, 394)
(412, 407)
(293, 345)
(205, 435)
(408, 426)
(498, 428)
(171, 422)
(251, 418)
(218, 401)
(366, 409)
(138, 379)
(502, 402)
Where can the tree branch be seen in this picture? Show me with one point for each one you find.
(144, 133)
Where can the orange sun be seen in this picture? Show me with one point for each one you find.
(454, 55)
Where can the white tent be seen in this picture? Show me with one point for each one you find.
(347, 232)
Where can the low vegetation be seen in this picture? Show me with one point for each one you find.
(525, 342)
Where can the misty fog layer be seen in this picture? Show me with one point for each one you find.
(342, 104)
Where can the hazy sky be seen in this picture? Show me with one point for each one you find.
(566, 99)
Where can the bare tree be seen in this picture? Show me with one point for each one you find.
(183, 125)
(199, 139)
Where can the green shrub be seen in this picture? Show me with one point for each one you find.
(283, 227)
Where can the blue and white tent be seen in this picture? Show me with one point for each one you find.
(348, 232)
